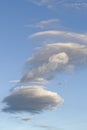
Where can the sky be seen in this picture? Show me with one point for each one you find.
(43, 64)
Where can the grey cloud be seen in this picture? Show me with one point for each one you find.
(53, 58)
(26, 118)
(33, 99)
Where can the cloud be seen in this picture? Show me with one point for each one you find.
(32, 99)
(55, 62)
(70, 36)
(14, 81)
(42, 126)
(47, 127)
(46, 24)
(55, 58)
(26, 118)
(77, 4)
(47, 3)
(40, 81)
(57, 3)
(30, 94)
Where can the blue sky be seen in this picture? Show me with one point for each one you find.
(43, 53)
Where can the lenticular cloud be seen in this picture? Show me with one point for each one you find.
(32, 99)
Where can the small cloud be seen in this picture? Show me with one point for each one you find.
(32, 99)
(14, 81)
(77, 4)
(26, 118)
(47, 127)
(46, 24)
(41, 81)
(43, 126)
(60, 83)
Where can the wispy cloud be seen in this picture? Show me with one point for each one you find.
(46, 24)
(32, 99)
(43, 126)
(47, 127)
(14, 81)
(77, 4)
(47, 3)
(56, 3)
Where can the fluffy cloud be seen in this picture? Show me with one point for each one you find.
(31, 99)
(53, 58)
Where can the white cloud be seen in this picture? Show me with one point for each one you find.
(32, 99)
(60, 58)
(41, 81)
(64, 34)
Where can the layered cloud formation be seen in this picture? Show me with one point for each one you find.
(65, 55)
(50, 60)
(32, 99)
